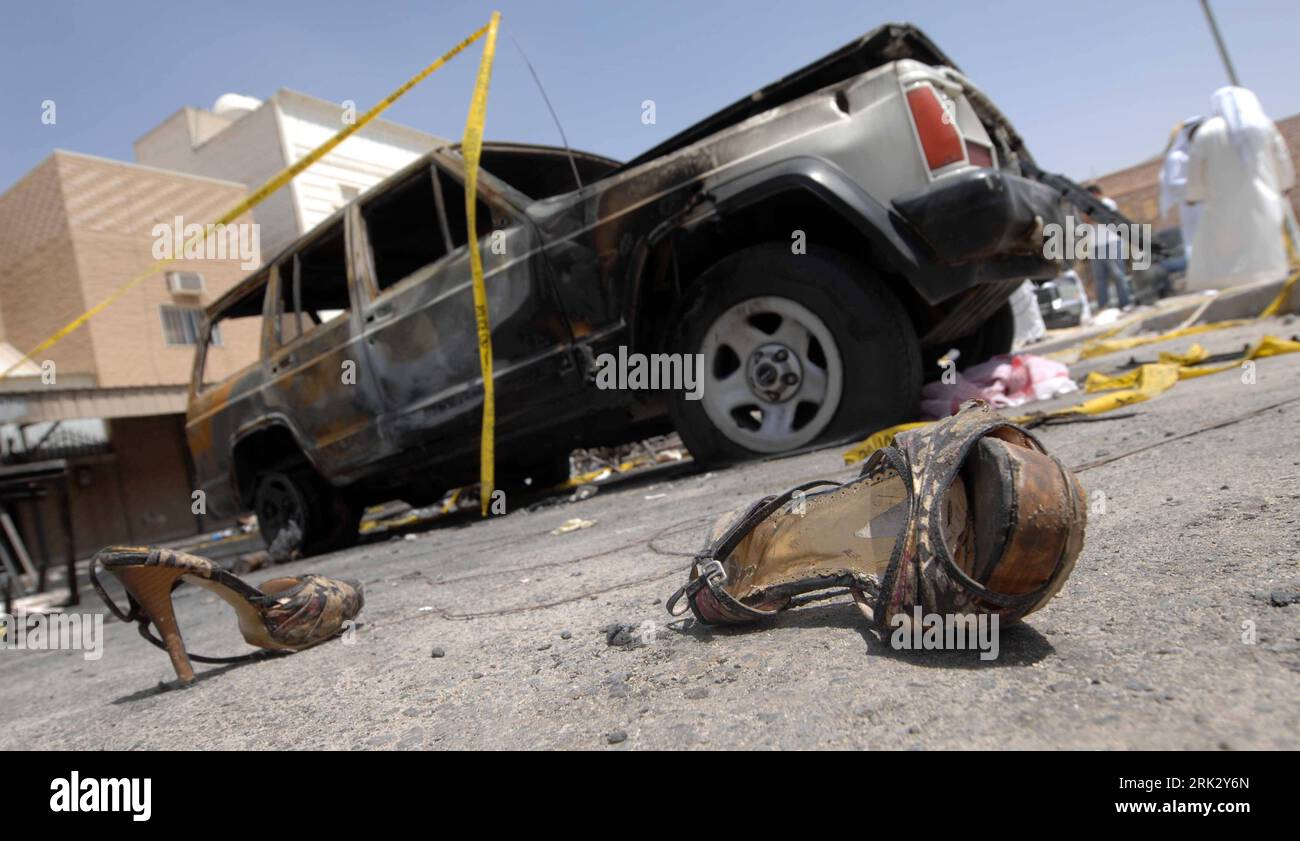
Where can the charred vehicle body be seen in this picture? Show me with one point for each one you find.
(816, 242)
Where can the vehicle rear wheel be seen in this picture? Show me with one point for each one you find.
(303, 512)
(797, 348)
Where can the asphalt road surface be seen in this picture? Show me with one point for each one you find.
(1143, 648)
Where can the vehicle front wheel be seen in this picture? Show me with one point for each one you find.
(298, 511)
(796, 349)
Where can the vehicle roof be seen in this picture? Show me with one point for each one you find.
(886, 43)
(240, 289)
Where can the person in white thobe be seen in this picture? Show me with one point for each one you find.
(1238, 169)
(1173, 182)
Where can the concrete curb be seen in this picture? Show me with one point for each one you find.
(1238, 302)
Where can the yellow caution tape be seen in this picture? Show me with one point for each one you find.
(1154, 378)
(1104, 343)
(1101, 347)
(604, 472)
(1151, 378)
(257, 197)
(1194, 355)
(880, 440)
(1136, 386)
(471, 147)
(1282, 296)
(1142, 383)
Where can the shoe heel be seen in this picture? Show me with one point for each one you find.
(151, 587)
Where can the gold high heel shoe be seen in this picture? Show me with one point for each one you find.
(968, 515)
(286, 614)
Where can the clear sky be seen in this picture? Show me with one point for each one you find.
(1092, 86)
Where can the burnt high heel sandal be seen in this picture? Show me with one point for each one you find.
(965, 516)
(285, 615)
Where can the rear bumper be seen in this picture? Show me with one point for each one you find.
(986, 216)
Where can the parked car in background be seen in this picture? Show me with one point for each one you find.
(815, 242)
(1061, 301)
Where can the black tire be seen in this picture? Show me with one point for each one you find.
(326, 519)
(875, 341)
(994, 337)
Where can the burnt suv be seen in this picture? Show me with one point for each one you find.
(816, 242)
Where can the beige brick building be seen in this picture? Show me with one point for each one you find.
(71, 232)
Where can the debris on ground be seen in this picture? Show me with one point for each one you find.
(1281, 597)
(588, 468)
(583, 492)
(573, 524)
(620, 459)
(623, 635)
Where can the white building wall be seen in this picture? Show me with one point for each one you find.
(256, 146)
(359, 163)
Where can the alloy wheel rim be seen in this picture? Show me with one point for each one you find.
(773, 374)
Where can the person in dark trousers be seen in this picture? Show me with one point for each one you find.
(1107, 269)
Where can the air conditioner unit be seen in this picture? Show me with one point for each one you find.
(185, 283)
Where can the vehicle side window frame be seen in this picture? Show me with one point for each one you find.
(440, 207)
(493, 198)
(275, 342)
(197, 385)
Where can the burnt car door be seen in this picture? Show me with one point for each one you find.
(419, 317)
(316, 374)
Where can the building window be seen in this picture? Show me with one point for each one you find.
(183, 326)
(185, 283)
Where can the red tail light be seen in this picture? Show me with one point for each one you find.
(939, 137)
(980, 155)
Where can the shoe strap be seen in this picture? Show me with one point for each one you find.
(131, 614)
(704, 591)
(931, 458)
(143, 627)
(134, 614)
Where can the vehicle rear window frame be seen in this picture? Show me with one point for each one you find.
(272, 316)
(212, 315)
